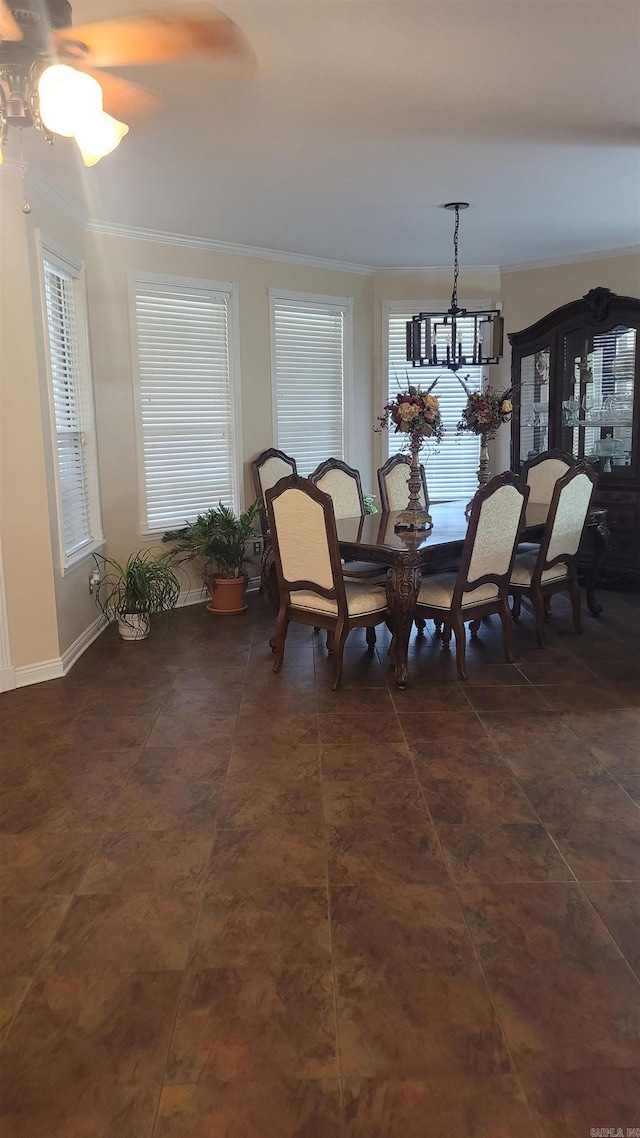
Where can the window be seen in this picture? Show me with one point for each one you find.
(72, 410)
(451, 468)
(187, 388)
(311, 365)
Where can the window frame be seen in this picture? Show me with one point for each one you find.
(230, 290)
(401, 306)
(345, 303)
(75, 270)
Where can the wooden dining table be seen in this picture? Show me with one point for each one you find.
(410, 555)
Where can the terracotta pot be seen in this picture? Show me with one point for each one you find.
(227, 595)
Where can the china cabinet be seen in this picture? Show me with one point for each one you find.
(576, 380)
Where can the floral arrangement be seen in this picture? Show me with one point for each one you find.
(485, 411)
(414, 412)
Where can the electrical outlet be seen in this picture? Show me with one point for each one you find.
(256, 548)
(94, 581)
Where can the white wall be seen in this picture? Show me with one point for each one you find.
(109, 260)
(24, 499)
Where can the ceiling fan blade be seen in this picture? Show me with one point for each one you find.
(9, 27)
(122, 99)
(153, 39)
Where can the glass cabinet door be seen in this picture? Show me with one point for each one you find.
(597, 397)
(534, 404)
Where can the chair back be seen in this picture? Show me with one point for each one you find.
(542, 472)
(567, 517)
(305, 540)
(393, 477)
(497, 517)
(342, 484)
(267, 469)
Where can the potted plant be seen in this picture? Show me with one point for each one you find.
(218, 539)
(130, 593)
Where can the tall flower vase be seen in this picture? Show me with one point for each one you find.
(415, 517)
(484, 474)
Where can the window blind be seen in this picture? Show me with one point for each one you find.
(66, 380)
(185, 400)
(451, 466)
(309, 353)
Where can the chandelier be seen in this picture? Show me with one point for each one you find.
(436, 339)
(36, 90)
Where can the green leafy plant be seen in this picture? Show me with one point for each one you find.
(218, 539)
(145, 584)
(370, 504)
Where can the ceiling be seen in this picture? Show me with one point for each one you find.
(364, 116)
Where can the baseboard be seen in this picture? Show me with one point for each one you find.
(28, 674)
(191, 597)
(82, 642)
(54, 669)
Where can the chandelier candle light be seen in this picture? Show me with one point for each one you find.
(434, 339)
(416, 414)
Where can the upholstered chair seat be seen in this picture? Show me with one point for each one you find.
(362, 599)
(481, 585)
(437, 592)
(524, 567)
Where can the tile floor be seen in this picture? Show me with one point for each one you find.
(238, 905)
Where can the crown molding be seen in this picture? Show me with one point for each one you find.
(45, 189)
(435, 270)
(75, 213)
(190, 242)
(575, 259)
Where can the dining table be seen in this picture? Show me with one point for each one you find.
(409, 555)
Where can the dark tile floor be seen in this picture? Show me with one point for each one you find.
(239, 905)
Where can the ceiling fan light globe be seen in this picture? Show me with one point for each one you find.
(99, 137)
(69, 99)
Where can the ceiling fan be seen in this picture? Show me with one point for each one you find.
(47, 67)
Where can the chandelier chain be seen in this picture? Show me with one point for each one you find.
(456, 268)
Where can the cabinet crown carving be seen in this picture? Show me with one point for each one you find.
(598, 301)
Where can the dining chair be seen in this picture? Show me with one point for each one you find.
(553, 567)
(267, 469)
(311, 582)
(393, 477)
(542, 472)
(481, 585)
(343, 485)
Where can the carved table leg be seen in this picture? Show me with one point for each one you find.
(601, 543)
(403, 586)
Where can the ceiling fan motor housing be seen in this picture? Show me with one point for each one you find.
(36, 19)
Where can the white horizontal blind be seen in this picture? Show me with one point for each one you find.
(186, 402)
(309, 354)
(451, 466)
(66, 380)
